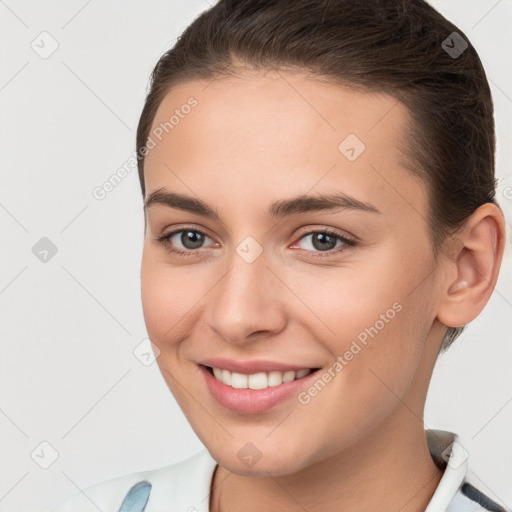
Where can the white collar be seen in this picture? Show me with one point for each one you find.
(448, 454)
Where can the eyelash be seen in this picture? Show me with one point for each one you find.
(164, 240)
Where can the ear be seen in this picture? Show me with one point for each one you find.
(473, 265)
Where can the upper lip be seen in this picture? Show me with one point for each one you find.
(249, 367)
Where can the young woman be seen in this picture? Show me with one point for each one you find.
(318, 183)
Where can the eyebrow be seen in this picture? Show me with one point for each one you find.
(282, 208)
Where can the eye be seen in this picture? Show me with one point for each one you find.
(190, 239)
(188, 242)
(324, 241)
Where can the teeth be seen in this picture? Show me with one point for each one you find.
(260, 380)
(226, 377)
(257, 381)
(275, 378)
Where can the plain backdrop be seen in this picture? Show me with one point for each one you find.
(77, 405)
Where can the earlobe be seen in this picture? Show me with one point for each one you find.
(475, 265)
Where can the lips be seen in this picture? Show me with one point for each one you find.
(251, 367)
(252, 401)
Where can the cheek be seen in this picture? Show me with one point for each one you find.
(372, 320)
(166, 300)
(358, 300)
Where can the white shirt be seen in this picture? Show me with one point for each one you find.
(185, 486)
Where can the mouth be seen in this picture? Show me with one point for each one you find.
(259, 380)
(255, 393)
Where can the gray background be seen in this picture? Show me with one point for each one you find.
(69, 325)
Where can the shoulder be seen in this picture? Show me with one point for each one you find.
(471, 499)
(186, 484)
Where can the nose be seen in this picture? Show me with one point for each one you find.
(248, 302)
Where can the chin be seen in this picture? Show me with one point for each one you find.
(248, 461)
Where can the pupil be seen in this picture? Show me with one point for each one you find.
(192, 239)
(323, 241)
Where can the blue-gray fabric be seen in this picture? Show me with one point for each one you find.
(136, 498)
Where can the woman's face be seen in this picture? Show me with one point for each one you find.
(265, 283)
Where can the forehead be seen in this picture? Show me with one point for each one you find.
(278, 133)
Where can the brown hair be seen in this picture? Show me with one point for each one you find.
(404, 48)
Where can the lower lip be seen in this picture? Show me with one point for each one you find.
(252, 401)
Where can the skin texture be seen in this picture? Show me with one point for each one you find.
(261, 137)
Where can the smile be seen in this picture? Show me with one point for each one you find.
(255, 393)
(260, 380)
